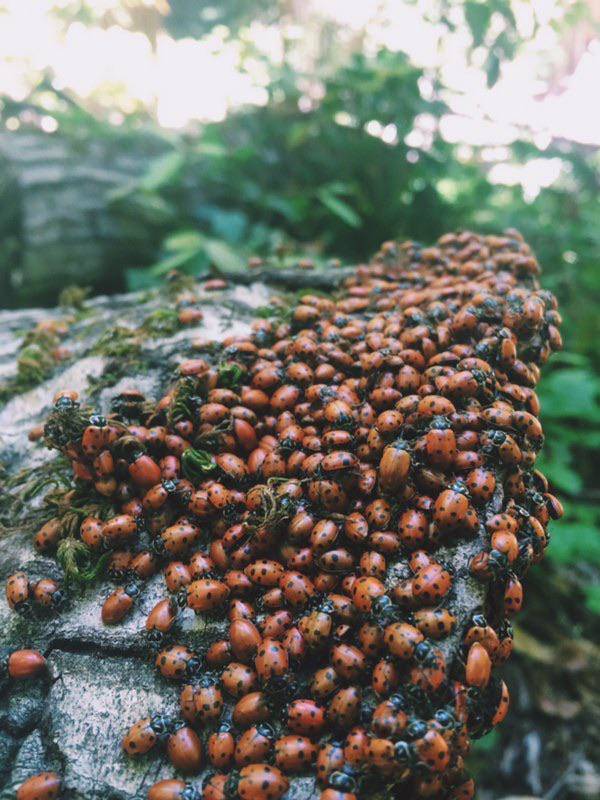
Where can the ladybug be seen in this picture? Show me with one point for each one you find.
(429, 672)
(413, 527)
(433, 751)
(221, 747)
(478, 667)
(214, 787)
(162, 617)
(330, 758)
(264, 572)
(17, 591)
(173, 789)
(25, 664)
(365, 590)
(401, 639)
(47, 594)
(208, 699)
(431, 584)
(344, 707)
(175, 662)
(44, 786)
(440, 443)
(348, 661)
(254, 745)
(294, 753)
(271, 659)
(48, 535)
(381, 754)
(394, 466)
(250, 709)
(206, 594)
(513, 596)
(118, 604)
(305, 717)
(177, 576)
(119, 529)
(297, 588)
(385, 677)
(451, 507)
(245, 639)
(434, 623)
(142, 736)
(239, 679)
(91, 532)
(502, 705)
(184, 750)
(257, 782)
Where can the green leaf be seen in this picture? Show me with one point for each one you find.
(478, 17)
(592, 598)
(223, 256)
(339, 208)
(492, 68)
(183, 240)
(162, 171)
(183, 259)
(572, 542)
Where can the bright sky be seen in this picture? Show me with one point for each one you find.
(188, 80)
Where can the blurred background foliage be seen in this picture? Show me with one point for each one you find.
(343, 146)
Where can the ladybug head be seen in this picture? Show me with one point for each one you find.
(496, 438)
(162, 725)
(65, 403)
(342, 781)
(264, 729)
(383, 610)
(479, 620)
(194, 666)
(416, 729)
(440, 423)
(98, 420)
(132, 589)
(403, 752)
(190, 793)
(208, 679)
(460, 487)
(424, 653)
(445, 718)
(231, 785)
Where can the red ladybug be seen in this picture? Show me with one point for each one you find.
(305, 717)
(118, 604)
(44, 786)
(172, 789)
(221, 747)
(17, 590)
(431, 584)
(330, 758)
(143, 736)
(206, 594)
(401, 639)
(478, 667)
(184, 750)
(25, 664)
(173, 661)
(259, 782)
(254, 745)
(294, 753)
(271, 659)
(451, 507)
(434, 622)
(344, 707)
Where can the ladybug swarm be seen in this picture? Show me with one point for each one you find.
(305, 490)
